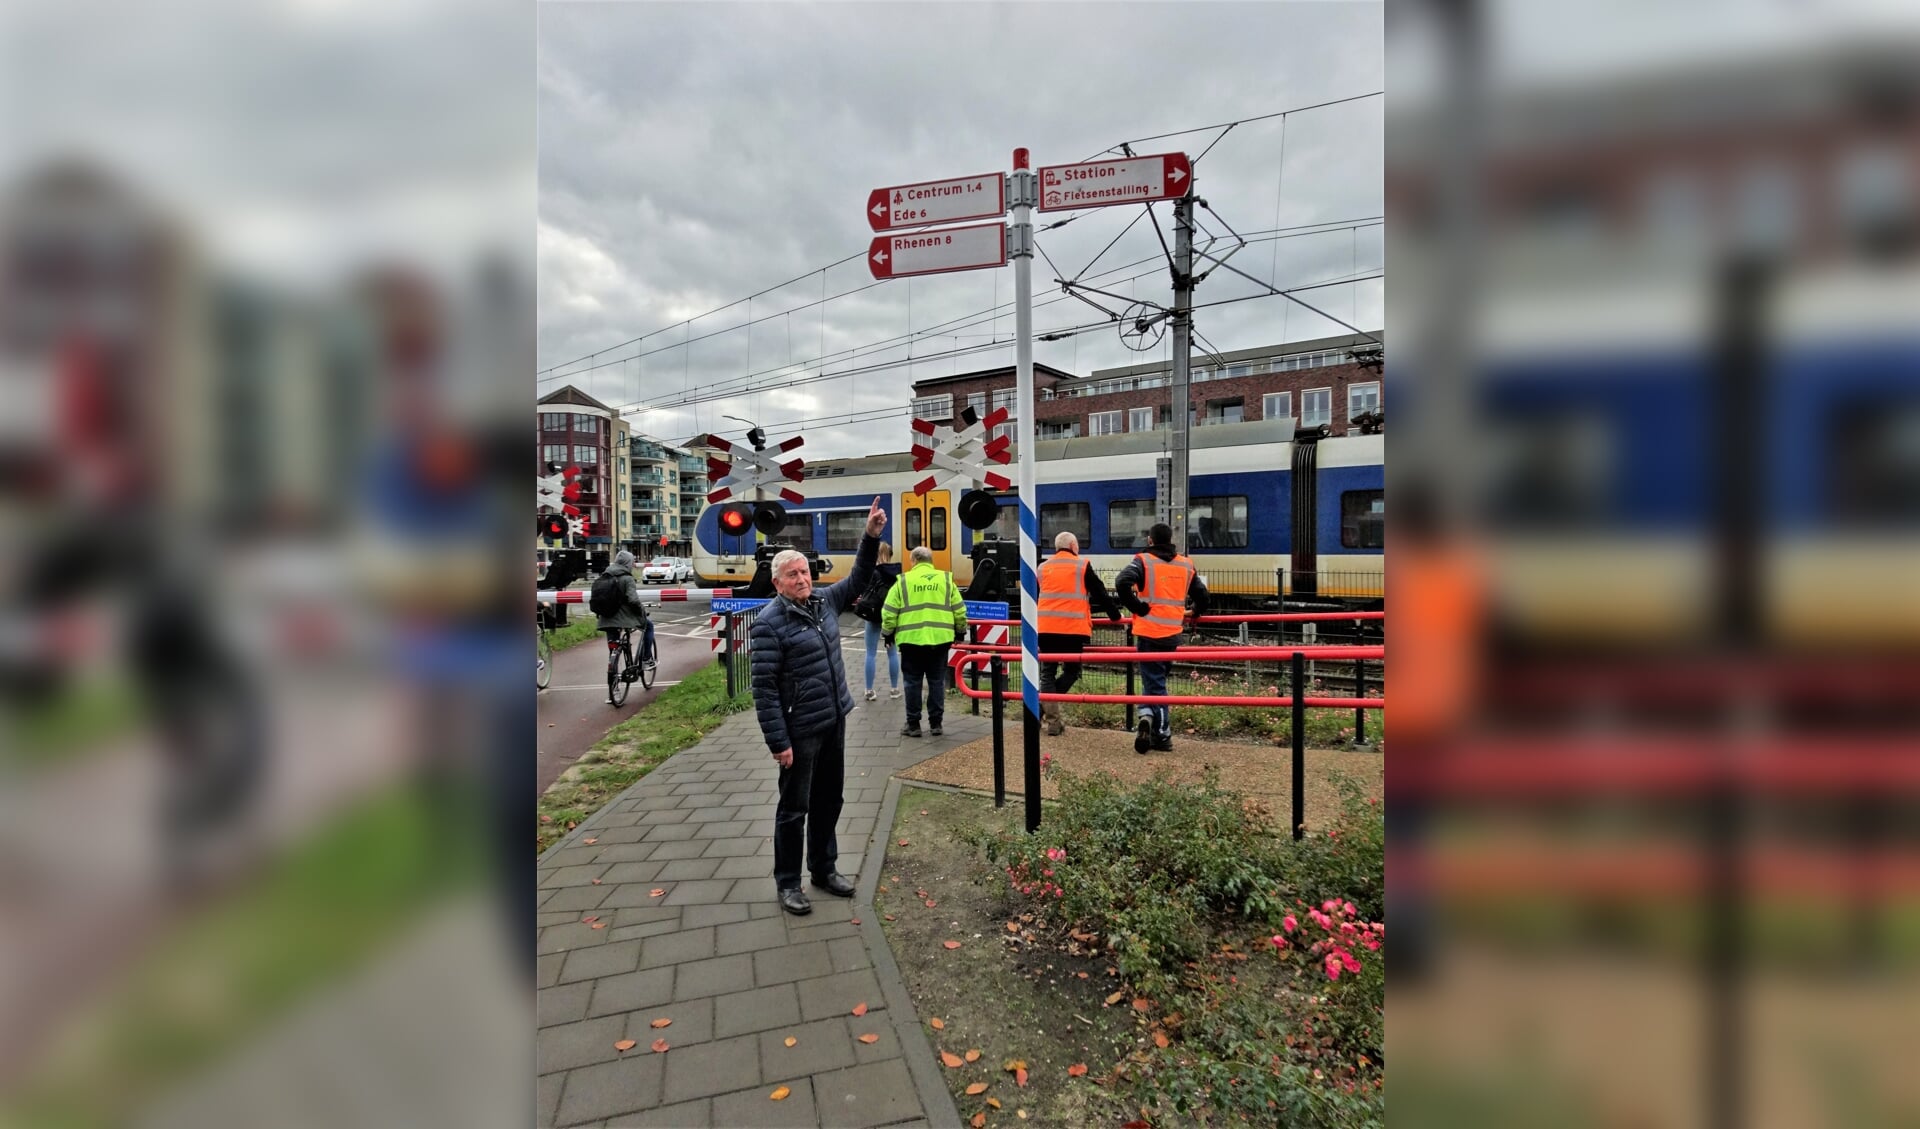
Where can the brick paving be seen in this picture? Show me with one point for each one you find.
(715, 954)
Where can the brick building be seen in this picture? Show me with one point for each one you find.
(576, 429)
(1327, 380)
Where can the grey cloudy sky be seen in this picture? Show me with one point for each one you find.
(692, 155)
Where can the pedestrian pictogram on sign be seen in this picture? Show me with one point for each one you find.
(938, 201)
(1127, 180)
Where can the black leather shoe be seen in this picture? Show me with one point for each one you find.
(836, 884)
(909, 731)
(795, 902)
(936, 730)
(1143, 740)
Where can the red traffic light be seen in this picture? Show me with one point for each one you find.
(552, 525)
(734, 520)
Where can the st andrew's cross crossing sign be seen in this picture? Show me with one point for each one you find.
(938, 201)
(1124, 180)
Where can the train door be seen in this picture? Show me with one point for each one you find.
(927, 521)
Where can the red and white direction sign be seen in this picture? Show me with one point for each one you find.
(936, 252)
(1128, 180)
(938, 201)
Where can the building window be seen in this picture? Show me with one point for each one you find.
(1673, 207)
(1052, 430)
(1103, 423)
(1008, 398)
(553, 421)
(1316, 407)
(1217, 523)
(1874, 189)
(978, 402)
(845, 528)
(1129, 521)
(586, 454)
(623, 491)
(1066, 517)
(1222, 411)
(933, 409)
(553, 453)
(1766, 206)
(623, 464)
(1276, 405)
(1363, 398)
(1363, 519)
(1140, 419)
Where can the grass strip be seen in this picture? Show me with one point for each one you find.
(675, 720)
(216, 979)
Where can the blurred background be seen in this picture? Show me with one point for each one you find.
(1656, 587)
(265, 350)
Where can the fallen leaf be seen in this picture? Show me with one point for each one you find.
(952, 1060)
(1021, 1114)
(791, 1040)
(1143, 1005)
(859, 1009)
(1081, 975)
(977, 1088)
(870, 1038)
(903, 842)
(590, 919)
(887, 916)
(973, 1055)
(661, 1023)
(923, 811)
(659, 1046)
(979, 1121)
(1160, 1039)
(589, 842)
(994, 1102)
(930, 903)
(571, 824)
(624, 1045)
(1136, 1124)
(1076, 1070)
(551, 724)
(598, 925)
(1013, 927)
(937, 1024)
(950, 944)
(922, 893)
(1116, 998)
(546, 819)
(1013, 1064)
(780, 1095)
(596, 882)
(1020, 1077)
(655, 893)
(853, 921)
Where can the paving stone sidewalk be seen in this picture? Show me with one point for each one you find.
(715, 954)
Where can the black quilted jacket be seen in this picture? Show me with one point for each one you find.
(799, 684)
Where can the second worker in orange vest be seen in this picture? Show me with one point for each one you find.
(1165, 581)
(1069, 589)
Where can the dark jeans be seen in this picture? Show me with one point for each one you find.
(809, 809)
(1153, 680)
(1058, 678)
(921, 660)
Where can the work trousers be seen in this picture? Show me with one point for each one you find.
(1153, 681)
(1058, 678)
(928, 661)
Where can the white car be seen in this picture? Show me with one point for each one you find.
(662, 571)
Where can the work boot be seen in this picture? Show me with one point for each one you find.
(1055, 727)
(910, 729)
(1143, 740)
(1163, 744)
(935, 729)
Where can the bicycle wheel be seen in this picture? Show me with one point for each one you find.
(649, 666)
(543, 653)
(616, 664)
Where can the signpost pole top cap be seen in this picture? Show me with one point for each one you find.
(1019, 160)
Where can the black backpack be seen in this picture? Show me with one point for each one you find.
(874, 599)
(609, 595)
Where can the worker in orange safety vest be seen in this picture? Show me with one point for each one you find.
(1157, 587)
(1069, 591)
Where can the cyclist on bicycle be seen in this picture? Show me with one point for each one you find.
(628, 613)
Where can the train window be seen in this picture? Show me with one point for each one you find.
(1217, 523)
(1128, 522)
(1006, 523)
(913, 530)
(1875, 459)
(1553, 471)
(936, 527)
(1363, 519)
(844, 530)
(1065, 517)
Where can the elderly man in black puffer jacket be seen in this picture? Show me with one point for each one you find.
(801, 696)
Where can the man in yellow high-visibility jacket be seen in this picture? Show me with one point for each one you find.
(923, 615)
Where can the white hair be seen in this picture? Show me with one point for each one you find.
(921, 554)
(785, 557)
(1066, 540)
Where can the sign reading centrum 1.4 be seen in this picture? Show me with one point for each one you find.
(936, 252)
(1126, 180)
(938, 201)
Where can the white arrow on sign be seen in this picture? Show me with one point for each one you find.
(938, 201)
(937, 252)
(1128, 180)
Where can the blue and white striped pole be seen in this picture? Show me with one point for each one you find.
(1025, 194)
